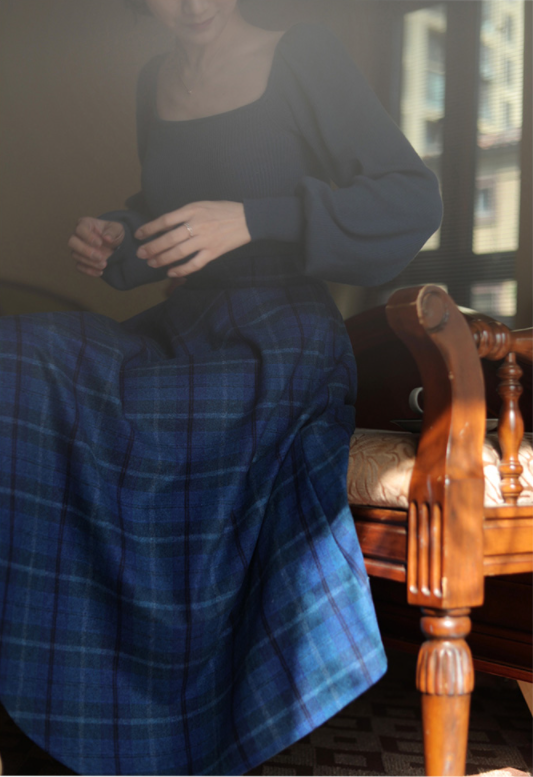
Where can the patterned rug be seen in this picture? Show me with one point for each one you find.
(379, 734)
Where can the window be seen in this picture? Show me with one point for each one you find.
(436, 55)
(498, 139)
(486, 16)
(424, 86)
(433, 143)
(508, 115)
(473, 255)
(485, 202)
(486, 66)
(485, 101)
(509, 72)
(496, 299)
(509, 28)
(435, 90)
(435, 69)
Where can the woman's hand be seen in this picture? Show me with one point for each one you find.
(207, 229)
(93, 242)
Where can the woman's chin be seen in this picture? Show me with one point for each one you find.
(201, 27)
(200, 33)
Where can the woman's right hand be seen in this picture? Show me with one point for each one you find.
(93, 242)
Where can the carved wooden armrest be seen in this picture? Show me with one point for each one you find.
(422, 336)
(445, 535)
(445, 519)
(446, 514)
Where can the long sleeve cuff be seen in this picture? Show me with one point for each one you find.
(275, 218)
(124, 269)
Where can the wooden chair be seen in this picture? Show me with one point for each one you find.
(428, 531)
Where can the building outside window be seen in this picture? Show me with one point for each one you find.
(424, 86)
(499, 131)
(485, 209)
(485, 100)
(508, 115)
(476, 261)
(486, 69)
(509, 72)
(433, 141)
(508, 27)
(435, 69)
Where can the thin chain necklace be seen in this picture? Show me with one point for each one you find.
(182, 82)
(189, 91)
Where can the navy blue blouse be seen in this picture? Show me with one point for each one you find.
(327, 179)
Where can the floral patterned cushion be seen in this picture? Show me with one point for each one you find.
(381, 464)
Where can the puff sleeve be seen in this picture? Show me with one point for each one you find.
(387, 203)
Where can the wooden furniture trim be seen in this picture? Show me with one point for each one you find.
(508, 511)
(447, 542)
(379, 531)
(445, 534)
(495, 342)
(497, 668)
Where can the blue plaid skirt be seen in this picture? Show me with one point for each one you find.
(181, 586)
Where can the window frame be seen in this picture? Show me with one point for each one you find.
(454, 263)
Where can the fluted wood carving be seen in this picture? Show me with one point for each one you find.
(425, 550)
(445, 662)
(445, 678)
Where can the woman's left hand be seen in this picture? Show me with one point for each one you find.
(207, 229)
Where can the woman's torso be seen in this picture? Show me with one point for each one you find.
(251, 151)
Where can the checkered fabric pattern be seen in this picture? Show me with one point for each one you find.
(181, 587)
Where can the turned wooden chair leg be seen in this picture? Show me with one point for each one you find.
(445, 678)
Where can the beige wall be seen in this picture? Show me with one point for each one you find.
(68, 70)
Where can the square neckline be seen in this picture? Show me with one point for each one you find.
(229, 112)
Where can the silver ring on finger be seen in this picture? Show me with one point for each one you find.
(189, 229)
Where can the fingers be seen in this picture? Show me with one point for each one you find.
(113, 234)
(217, 228)
(84, 267)
(90, 230)
(95, 257)
(169, 248)
(174, 246)
(93, 242)
(97, 232)
(98, 262)
(163, 223)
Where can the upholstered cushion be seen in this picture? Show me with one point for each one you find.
(381, 465)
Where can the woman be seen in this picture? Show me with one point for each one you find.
(182, 588)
